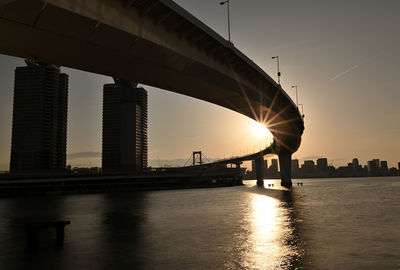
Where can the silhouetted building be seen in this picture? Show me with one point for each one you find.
(357, 168)
(384, 168)
(344, 171)
(39, 125)
(308, 168)
(309, 164)
(295, 168)
(322, 163)
(398, 166)
(274, 166)
(392, 171)
(384, 164)
(355, 163)
(124, 127)
(373, 167)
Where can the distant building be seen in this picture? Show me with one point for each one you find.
(373, 167)
(309, 164)
(355, 164)
(384, 168)
(322, 163)
(39, 125)
(295, 168)
(392, 171)
(124, 127)
(344, 171)
(384, 164)
(274, 166)
(398, 166)
(357, 168)
(308, 168)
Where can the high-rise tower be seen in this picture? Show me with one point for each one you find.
(39, 125)
(124, 127)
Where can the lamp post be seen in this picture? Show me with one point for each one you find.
(302, 110)
(297, 97)
(229, 19)
(279, 73)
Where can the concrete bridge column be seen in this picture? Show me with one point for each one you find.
(285, 164)
(260, 171)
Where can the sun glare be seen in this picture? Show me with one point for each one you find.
(260, 130)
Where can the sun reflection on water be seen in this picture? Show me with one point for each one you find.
(271, 234)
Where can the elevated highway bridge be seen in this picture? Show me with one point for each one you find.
(157, 43)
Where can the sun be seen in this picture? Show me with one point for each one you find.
(260, 130)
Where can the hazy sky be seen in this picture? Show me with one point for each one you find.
(343, 55)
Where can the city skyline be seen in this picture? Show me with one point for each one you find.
(349, 91)
(321, 168)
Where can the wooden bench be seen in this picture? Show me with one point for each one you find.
(32, 231)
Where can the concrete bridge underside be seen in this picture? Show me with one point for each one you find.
(153, 42)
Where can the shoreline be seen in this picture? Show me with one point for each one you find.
(109, 184)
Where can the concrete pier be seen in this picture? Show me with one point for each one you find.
(285, 165)
(260, 170)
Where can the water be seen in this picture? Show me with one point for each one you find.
(324, 224)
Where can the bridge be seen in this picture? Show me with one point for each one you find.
(157, 43)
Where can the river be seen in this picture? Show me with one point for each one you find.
(351, 223)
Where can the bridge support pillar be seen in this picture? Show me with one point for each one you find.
(259, 162)
(285, 164)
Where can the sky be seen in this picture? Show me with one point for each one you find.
(343, 55)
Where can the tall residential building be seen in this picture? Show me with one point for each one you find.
(124, 127)
(39, 125)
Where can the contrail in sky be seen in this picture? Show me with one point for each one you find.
(344, 72)
(353, 67)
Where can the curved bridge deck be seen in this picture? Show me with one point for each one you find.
(154, 42)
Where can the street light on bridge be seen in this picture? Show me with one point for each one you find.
(302, 110)
(297, 97)
(279, 73)
(229, 19)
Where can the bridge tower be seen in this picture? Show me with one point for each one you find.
(197, 153)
